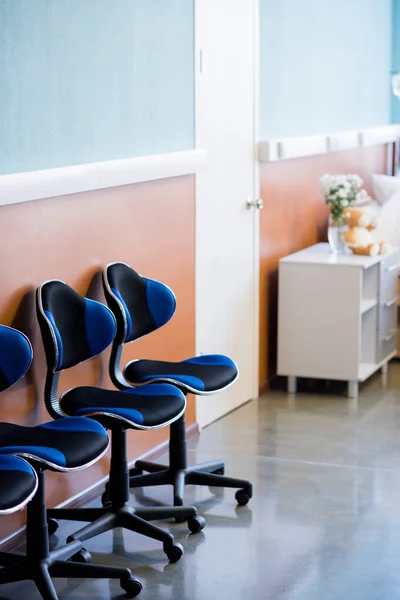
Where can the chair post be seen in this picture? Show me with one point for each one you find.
(177, 445)
(37, 536)
(119, 472)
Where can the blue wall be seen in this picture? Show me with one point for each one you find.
(325, 66)
(94, 80)
(396, 56)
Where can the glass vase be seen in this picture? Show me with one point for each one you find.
(336, 231)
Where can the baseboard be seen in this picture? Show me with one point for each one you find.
(16, 539)
(267, 386)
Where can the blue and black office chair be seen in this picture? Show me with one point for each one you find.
(18, 484)
(75, 329)
(141, 306)
(65, 445)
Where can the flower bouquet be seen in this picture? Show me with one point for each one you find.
(340, 192)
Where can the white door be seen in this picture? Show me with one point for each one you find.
(227, 237)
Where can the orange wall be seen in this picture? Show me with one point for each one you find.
(293, 218)
(151, 227)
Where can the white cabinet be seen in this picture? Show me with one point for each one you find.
(337, 316)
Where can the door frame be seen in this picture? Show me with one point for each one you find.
(256, 168)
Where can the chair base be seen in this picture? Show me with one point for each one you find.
(179, 474)
(71, 560)
(133, 519)
(20, 568)
(117, 513)
(209, 474)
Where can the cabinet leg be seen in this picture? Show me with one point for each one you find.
(353, 389)
(292, 384)
(385, 369)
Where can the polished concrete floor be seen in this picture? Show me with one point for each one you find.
(324, 522)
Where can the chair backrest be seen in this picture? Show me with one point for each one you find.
(140, 305)
(15, 356)
(74, 328)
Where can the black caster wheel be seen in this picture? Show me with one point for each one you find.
(83, 556)
(243, 497)
(104, 498)
(196, 524)
(131, 586)
(174, 552)
(52, 526)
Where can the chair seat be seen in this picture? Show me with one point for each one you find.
(18, 483)
(62, 445)
(131, 406)
(201, 374)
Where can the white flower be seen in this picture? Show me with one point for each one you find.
(326, 184)
(344, 202)
(355, 181)
(336, 188)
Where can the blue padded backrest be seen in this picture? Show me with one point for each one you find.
(100, 326)
(74, 328)
(140, 305)
(161, 302)
(15, 356)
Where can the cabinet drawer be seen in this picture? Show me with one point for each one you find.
(388, 282)
(387, 323)
(386, 345)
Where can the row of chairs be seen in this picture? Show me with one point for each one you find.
(148, 395)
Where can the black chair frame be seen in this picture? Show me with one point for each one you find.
(178, 473)
(71, 560)
(117, 512)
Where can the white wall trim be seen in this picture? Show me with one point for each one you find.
(275, 150)
(24, 187)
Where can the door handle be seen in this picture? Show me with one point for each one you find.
(392, 268)
(259, 204)
(391, 335)
(391, 302)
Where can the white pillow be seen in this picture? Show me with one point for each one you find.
(389, 222)
(384, 187)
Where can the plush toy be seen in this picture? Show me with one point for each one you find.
(359, 237)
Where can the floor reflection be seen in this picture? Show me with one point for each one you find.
(323, 524)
